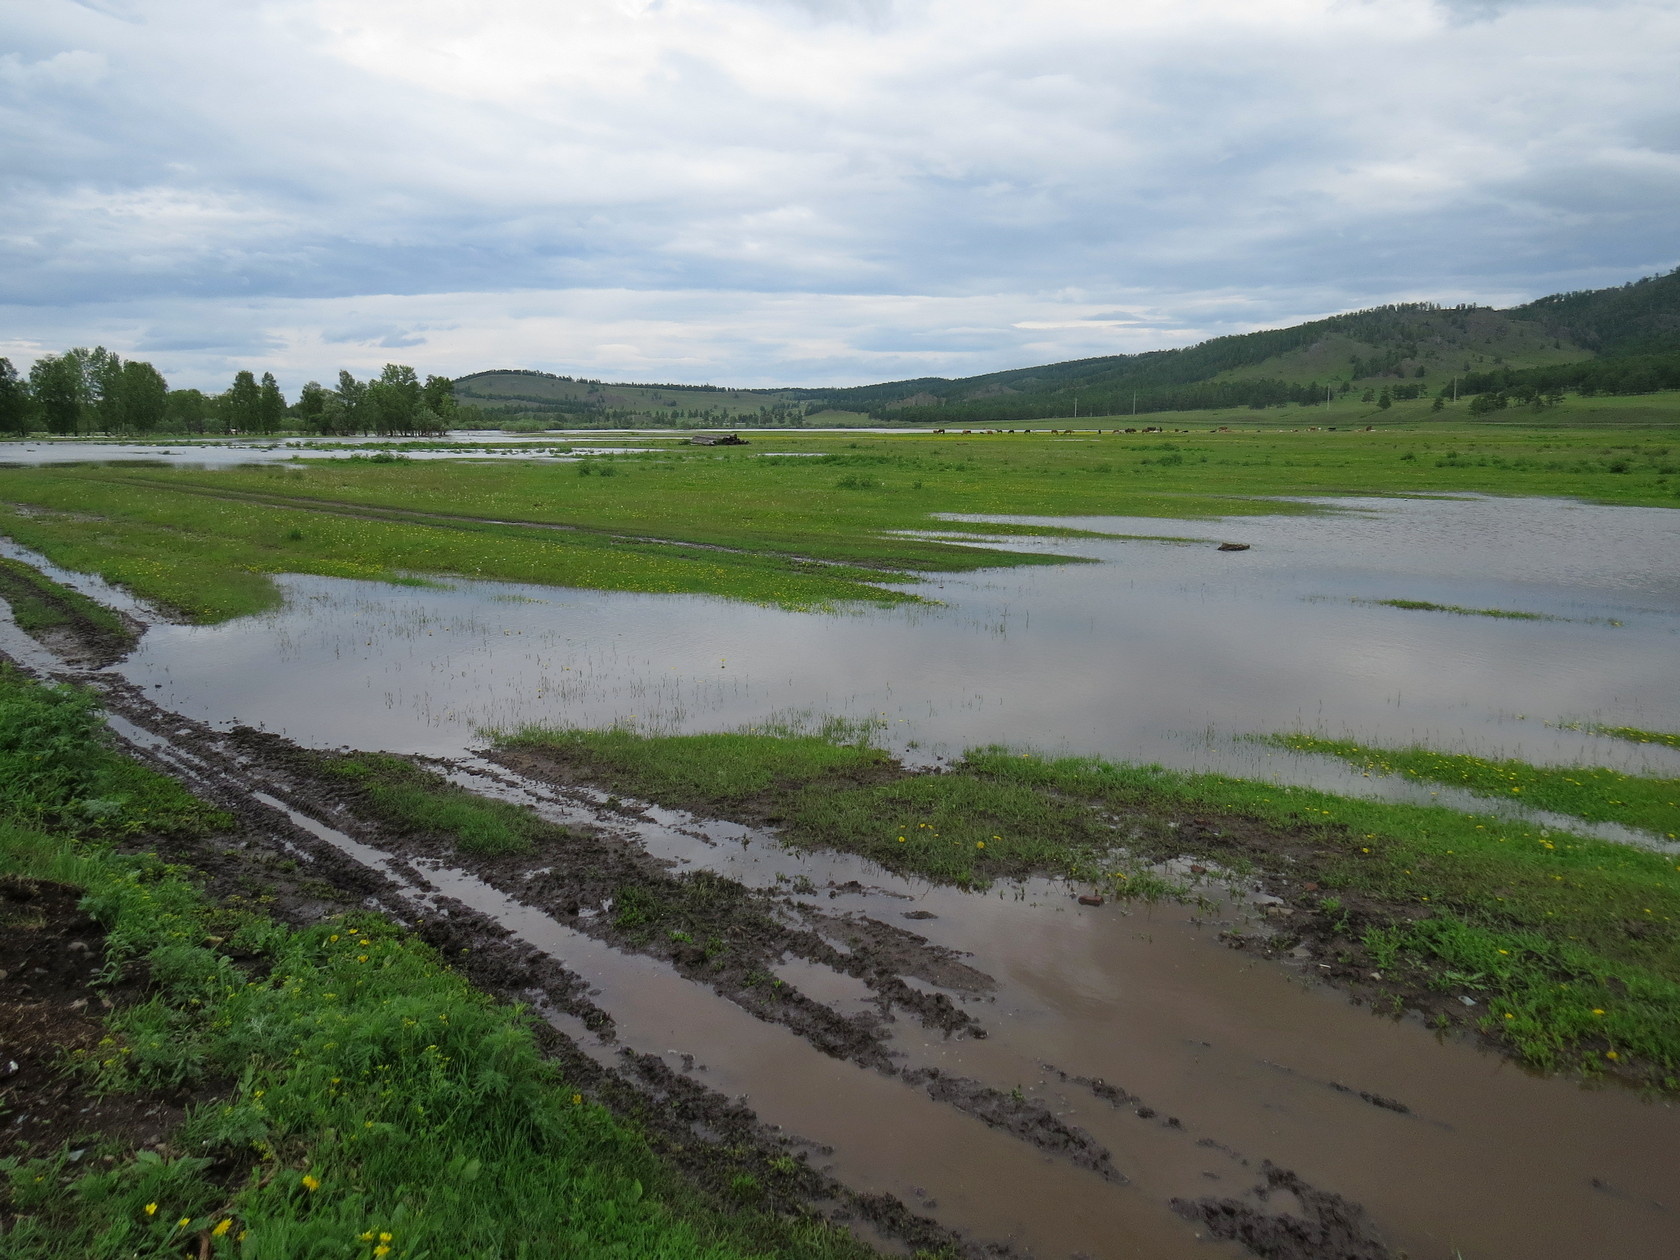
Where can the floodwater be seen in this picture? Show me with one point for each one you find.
(1162, 651)
(230, 454)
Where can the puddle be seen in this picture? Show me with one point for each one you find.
(1162, 653)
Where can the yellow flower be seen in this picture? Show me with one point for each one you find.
(1598, 1010)
(901, 839)
(183, 1222)
(365, 1236)
(311, 1184)
(381, 1250)
(222, 1227)
(979, 844)
(577, 1100)
(151, 1209)
(1508, 1015)
(1611, 1054)
(384, 1238)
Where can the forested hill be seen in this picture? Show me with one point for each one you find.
(1617, 340)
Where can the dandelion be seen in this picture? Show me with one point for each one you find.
(385, 1238)
(382, 1250)
(1598, 1010)
(577, 1100)
(311, 1184)
(365, 1236)
(183, 1222)
(979, 844)
(1508, 1015)
(151, 1209)
(1612, 1055)
(222, 1227)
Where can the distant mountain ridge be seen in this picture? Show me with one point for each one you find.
(1621, 339)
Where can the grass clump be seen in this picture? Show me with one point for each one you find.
(401, 792)
(1595, 794)
(40, 605)
(1423, 605)
(1632, 734)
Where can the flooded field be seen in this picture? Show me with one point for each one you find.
(1120, 1082)
(1163, 651)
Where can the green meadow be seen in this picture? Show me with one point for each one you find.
(833, 522)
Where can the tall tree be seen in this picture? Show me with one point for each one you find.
(241, 404)
(395, 398)
(312, 407)
(188, 411)
(271, 405)
(143, 397)
(353, 415)
(60, 391)
(15, 409)
(438, 397)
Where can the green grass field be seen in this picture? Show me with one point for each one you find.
(353, 1096)
(806, 532)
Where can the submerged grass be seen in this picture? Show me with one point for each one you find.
(40, 605)
(402, 793)
(798, 533)
(1423, 605)
(365, 1100)
(1595, 794)
(1633, 734)
(1570, 946)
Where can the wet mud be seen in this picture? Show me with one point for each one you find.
(54, 996)
(1007, 1074)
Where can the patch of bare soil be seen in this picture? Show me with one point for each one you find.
(1324, 1226)
(51, 953)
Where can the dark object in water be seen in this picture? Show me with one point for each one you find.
(1233, 546)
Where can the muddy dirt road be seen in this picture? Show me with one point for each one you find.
(1011, 1069)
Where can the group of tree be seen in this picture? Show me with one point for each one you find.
(83, 391)
(86, 391)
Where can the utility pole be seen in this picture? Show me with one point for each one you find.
(1455, 389)
(1134, 402)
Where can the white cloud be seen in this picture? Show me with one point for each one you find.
(229, 164)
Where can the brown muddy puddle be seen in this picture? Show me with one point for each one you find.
(1214, 1061)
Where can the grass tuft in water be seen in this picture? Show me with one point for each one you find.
(1592, 793)
(1423, 605)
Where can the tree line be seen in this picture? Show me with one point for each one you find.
(86, 391)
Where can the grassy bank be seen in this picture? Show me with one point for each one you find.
(1570, 947)
(797, 532)
(1596, 794)
(356, 1098)
(43, 608)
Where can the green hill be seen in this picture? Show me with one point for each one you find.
(1617, 340)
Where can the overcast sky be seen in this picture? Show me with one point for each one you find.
(761, 192)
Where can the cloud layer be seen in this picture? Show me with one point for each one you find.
(770, 191)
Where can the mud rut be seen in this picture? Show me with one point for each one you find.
(819, 1017)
